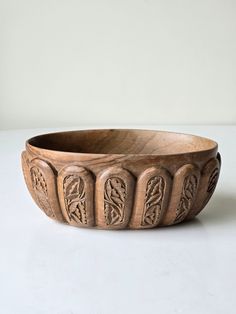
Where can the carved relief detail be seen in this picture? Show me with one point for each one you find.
(41, 191)
(187, 196)
(74, 196)
(211, 185)
(153, 200)
(115, 194)
(213, 180)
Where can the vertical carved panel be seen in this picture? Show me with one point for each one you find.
(153, 201)
(74, 196)
(187, 197)
(76, 192)
(213, 180)
(185, 187)
(26, 172)
(41, 183)
(208, 182)
(152, 194)
(114, 198)
(115, 193)
(41, 191)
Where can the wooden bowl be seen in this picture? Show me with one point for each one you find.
(121, 178)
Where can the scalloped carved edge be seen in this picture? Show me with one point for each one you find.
(151, 198)
(41, 182)
(114, 198)
(156, 199)
(76, 195)
(208, 181)
(184, 191)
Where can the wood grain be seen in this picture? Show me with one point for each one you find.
(119, 178)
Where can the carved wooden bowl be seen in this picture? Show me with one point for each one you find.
(117, 178)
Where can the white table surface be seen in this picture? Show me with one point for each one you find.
(47, 267)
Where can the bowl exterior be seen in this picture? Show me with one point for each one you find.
(119, 192)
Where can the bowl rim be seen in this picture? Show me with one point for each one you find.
(34, 148)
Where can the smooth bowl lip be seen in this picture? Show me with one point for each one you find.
(63, 153)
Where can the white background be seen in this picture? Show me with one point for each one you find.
(85, 62)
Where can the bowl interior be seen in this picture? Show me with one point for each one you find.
(122, 141)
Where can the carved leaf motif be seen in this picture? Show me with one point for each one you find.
(114, 200)
(153, 200)
(213, 180)
(40, 189)
(211, 185)
(187, 196)
(74, 196)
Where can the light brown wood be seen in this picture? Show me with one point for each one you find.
(119, 178)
